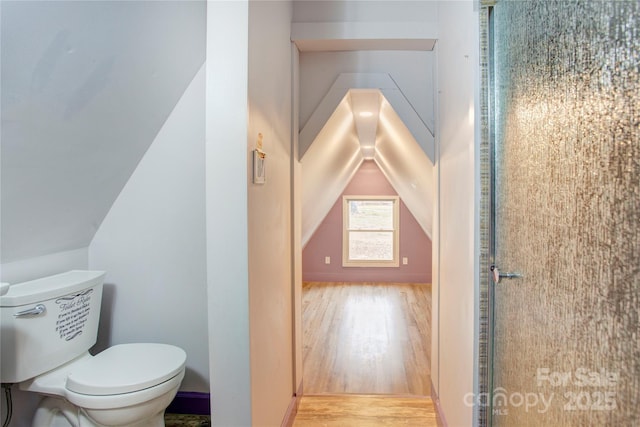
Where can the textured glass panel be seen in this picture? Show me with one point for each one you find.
(370, 215)
(567, 98)
(370, 246)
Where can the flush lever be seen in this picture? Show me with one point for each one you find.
(31, 312)
(497, 275)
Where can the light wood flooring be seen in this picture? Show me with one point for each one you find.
(365, 411)
(366, 338)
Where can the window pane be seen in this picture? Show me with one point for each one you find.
(371, 215)
(370, 246)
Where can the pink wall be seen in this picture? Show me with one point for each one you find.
(327, 240)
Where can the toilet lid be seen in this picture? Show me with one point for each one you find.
(126, 368)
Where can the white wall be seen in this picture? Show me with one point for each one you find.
(364, 11)
(227, 220)
(249, 255)
(152, 245)
(458, 209)
(86, 87)
(270, 221)
(46, 265)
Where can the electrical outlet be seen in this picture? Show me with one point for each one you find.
(405, 260)
(327, 260)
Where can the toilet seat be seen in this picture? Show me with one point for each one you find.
(126, 368)
(124, 400)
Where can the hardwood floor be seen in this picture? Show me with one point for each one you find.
(365, 411)
(366, 338)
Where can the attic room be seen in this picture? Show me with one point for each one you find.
(366, 128)
(365, 152)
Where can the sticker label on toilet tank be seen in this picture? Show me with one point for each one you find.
(74, 313)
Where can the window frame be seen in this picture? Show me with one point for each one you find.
(346, 262)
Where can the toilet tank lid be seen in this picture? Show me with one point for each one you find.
(50, 287)
(125, 368)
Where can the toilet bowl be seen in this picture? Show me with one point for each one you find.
(125, 385)
(48, 327)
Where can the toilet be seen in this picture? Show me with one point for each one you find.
(48, 327)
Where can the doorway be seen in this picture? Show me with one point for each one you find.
(370, 298)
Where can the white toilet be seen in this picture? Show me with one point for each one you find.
(48, 326)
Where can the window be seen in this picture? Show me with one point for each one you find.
(370, 231)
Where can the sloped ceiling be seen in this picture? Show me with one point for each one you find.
(328, 166)
(405, 165)
(385, 84)
(86, 86)
(364, 126)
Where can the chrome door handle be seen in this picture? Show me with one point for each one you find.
(31, 312)
(497, 275)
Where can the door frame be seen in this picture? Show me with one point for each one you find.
(484, 409)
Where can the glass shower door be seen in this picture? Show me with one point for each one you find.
(566, 209)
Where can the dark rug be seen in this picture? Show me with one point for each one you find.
(181, 420)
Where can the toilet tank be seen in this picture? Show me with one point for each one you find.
(48, 322)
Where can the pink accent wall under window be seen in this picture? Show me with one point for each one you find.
(327, 240)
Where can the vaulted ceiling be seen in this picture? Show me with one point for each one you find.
(366, 92)
(364, 125)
